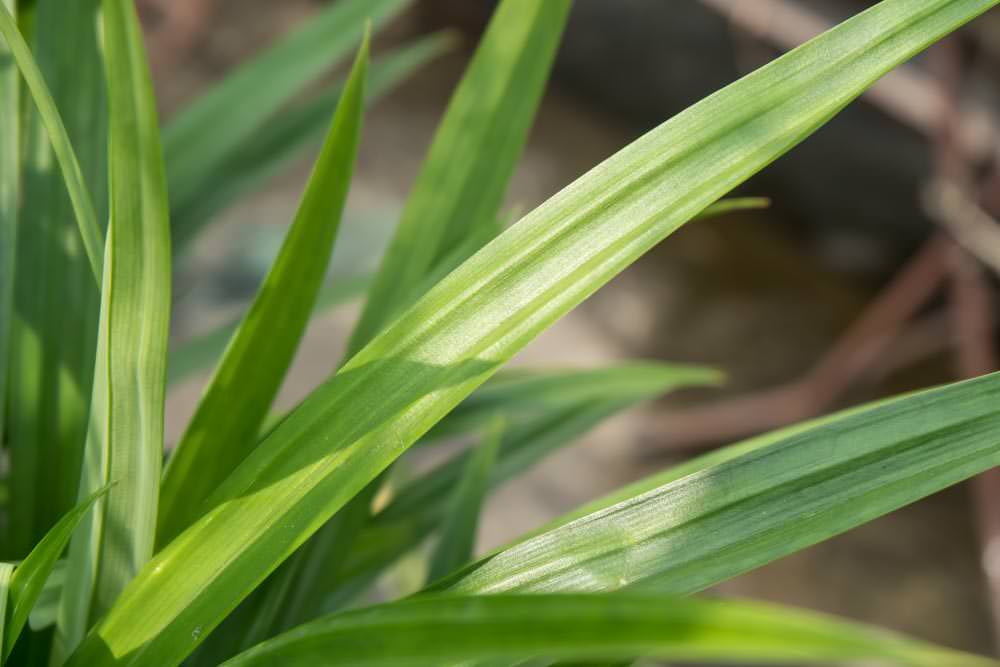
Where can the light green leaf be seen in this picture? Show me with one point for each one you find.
(6, 574)
(54, 329)
(199, 353)
(287, 136)
(31, 574)
(473, 321)
(83, 208)
(204, 138)
(225, 426)
(766, 503)
(126, 440)
(458, 532)
(447, 630)
(465, 175)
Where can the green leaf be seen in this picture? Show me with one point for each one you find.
(458, 532)
(462, 182)
(451, 212)
(6, 574)
(287, 136)
(197, 354)
(10, 186)
(204, 138)
(31, 574)
(447, 630)
(83, 208)
(54, 329)
(459, 333)
(46, 609)
(225, 426)
(542, 419)
(763, 504)
(125, 446)
(545, 410)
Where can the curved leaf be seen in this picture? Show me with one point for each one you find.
(765, 503)
(447, 630)
(474, 320)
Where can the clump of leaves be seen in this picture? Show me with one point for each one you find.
(258, 540)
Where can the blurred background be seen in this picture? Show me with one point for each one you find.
(872, 273)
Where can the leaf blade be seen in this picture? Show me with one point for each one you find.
(125, 446)
(221, 434)
(32, 573)
(471, 159)
(443, 630)
(470, 323)
(765, 503)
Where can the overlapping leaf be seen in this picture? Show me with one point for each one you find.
(125, 444)
(54, 324)
(33, 572)
(225, 426)
(768, 501)
(463, 329)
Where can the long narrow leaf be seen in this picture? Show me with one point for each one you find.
(126, 443)
(465, 175)
(204, 138)
(390, 393)
(769, 502)
(10, 186)
(31, 574)
(90, 230)
(54, 329)
(458, 532)
(225, 426)
(6, 574)
(448, 630)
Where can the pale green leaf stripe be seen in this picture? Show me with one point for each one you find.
(126, 443)
(287, 136)
(201, 138)
(6, 574)
(764, 504)
(32, 573)
(83, 208)
(446, 630)
(463, 179)
(226, 423)
(461, 331)
(10, 178)
(458, 531)
(201, 352)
